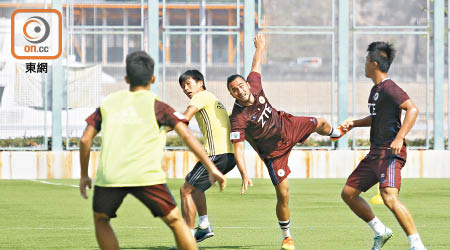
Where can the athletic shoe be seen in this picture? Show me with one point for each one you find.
(380, 240)
(288, 244)
(415, 248)
(203, 233)
(333, 139)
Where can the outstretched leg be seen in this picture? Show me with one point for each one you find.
(324, 128)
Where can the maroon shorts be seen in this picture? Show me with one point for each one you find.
(295, 129)
(156, 198)
(378, 166)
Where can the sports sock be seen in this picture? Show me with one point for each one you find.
(377, 226)
(334, 132)
(193, 232)
(284, 225)
(203, 221)
(415, 241)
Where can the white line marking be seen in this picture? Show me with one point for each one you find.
(55, 183)
(149, 227)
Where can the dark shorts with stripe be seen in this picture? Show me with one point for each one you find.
(296, 129)
(199, 176)
(157, 198)
(381, 166)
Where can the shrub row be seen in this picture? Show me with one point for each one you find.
(172, 141)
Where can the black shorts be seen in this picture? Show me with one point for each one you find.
(157, 198)
(199, 176)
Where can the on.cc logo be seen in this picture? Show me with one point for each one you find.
(36, 34)
(36, 29)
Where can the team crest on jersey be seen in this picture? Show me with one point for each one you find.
(220, 105)
(375, 97)
(254, 117)
(281, 172)
(262, 100)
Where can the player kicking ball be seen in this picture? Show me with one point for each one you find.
(387, 155)
(271, 133)
(212, 118)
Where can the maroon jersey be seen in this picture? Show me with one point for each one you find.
(165, 115)
(384, 106)
(260, 121)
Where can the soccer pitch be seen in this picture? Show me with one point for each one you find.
(37, 215)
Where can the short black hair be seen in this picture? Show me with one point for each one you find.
(383, 53)
(140, 67)
(231, 78)
(194, 74)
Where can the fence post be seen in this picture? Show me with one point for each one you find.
(249, 34)
(58, 82)
(343, 67)
(153, 40)
(438, 82)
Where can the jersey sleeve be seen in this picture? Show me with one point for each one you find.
(95, 119)
(167, 116)
(254, 79)
(396, 93)
(238, 125)
(199, 100)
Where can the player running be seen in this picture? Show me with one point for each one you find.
(272, 134)
(387, 154)
(133, 139)
(214, 123)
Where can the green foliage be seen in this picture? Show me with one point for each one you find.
(175, 141)
(22, 142)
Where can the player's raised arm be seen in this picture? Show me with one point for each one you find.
(197, 149)
(240, 162)
(85, 151)
(260, 43)
(410, 118)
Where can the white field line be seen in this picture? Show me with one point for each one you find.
(55, 183)
(246, 227)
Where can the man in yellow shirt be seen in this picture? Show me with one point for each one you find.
(214, 123)
(133, 139)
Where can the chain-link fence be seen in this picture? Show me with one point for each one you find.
(300, 64)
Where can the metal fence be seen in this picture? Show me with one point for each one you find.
(412, 74)
(300, 69)
(97, 42)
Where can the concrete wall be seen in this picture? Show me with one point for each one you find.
(303, 163)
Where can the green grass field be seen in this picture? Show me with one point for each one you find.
(36, 215)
